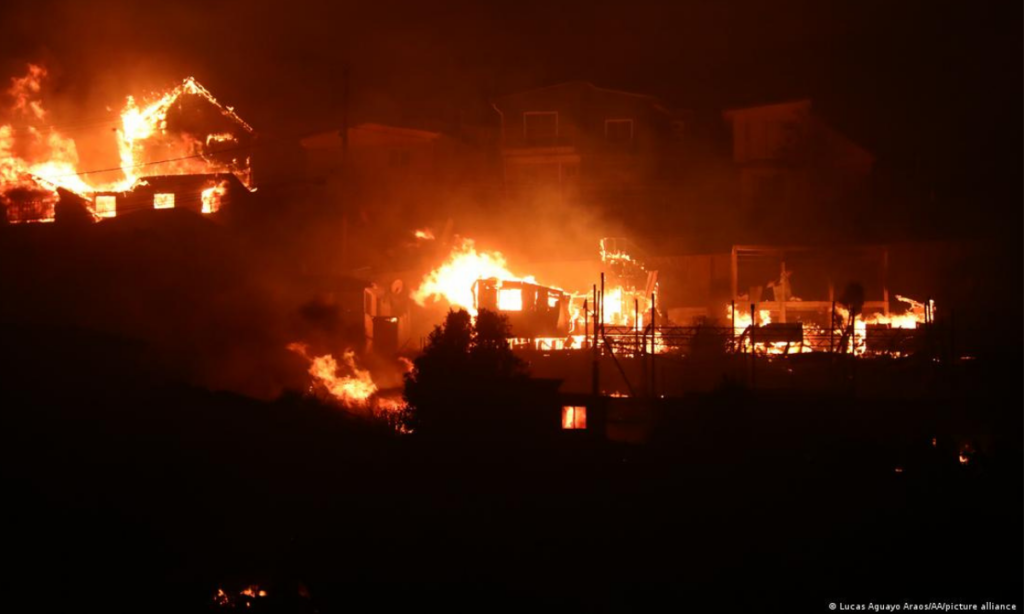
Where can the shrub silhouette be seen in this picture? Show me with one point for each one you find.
(467, 377)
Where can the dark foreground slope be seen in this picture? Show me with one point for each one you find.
(126, 492)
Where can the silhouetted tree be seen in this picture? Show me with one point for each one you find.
(467, 375)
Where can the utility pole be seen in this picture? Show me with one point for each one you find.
(595, 375)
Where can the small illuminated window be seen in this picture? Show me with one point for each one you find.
(552, 301)
(163, 201)
(574, 417)
(106, 206)
(510, 299)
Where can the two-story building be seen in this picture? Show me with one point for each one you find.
(792, 165)
(574, 138)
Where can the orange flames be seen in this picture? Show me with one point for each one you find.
(353, 390)
(349, 385)
(212, 197)
(625, 300)
(453, 281)
(246, 596)
(36, 159)
(911, 319)
(183, 154)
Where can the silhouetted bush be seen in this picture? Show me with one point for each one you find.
(467, 376)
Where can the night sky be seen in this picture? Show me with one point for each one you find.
(933, 89)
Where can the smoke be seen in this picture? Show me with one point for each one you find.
(431, 67)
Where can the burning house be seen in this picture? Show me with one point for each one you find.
(532, 310)
(179, 149)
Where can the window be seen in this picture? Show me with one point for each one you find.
(618, 131)
(163, 201)
(106, 206)
(574, 417)
(510, 299)
(540, 127)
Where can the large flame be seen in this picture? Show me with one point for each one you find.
(35, 158)
(453, 281)
(181, 154)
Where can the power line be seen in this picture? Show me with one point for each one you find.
(143, 164)
(262, 142)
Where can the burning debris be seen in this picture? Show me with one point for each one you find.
(628, 296)
(182, 132)
(243, 599)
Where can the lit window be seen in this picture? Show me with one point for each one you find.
(510, 299)
(212, 197)
(163, 201)
(574, 417)
(106, 206)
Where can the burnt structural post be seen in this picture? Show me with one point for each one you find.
(783, 294)
(586, 324)
(753, 348)
(595, 373)
(654, 347)
(636, 324)
(832, 330)
(732, 311)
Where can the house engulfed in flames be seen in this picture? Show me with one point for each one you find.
(177, 149)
